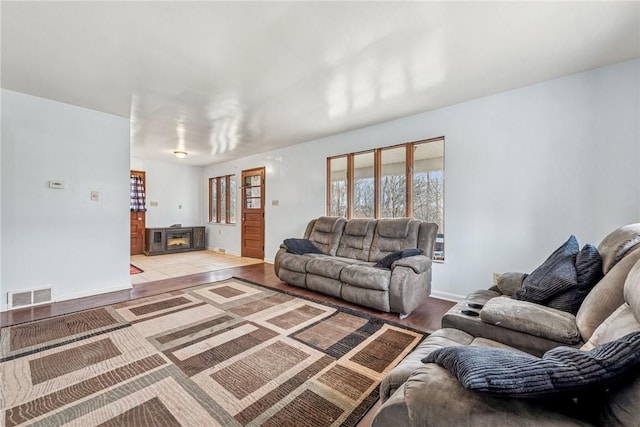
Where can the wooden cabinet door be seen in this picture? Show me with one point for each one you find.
(198, 238)
(253, 187)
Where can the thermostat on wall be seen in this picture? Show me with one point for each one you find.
(56, 183)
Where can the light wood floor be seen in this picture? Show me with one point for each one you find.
(425, 318)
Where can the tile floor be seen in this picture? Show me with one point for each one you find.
(160, 267)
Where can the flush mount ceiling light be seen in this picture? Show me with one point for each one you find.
(180, 154)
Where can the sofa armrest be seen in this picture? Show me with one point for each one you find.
(418, 263)
(276, 259)
(533, 319)
(432, 396)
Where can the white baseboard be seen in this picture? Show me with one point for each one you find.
(447, 296)
(93, 292)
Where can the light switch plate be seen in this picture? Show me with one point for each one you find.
(56, 183)
(95, 196)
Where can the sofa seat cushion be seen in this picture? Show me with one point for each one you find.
(326, 267)
(439, 339)
(352, 261)
(561, 371)
(364, 276)
(434, 397)
(297, 263)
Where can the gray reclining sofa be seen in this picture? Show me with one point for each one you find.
(417, 393)
(536, 328)
(350, 249)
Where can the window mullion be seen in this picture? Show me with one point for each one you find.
(350, 189)
(218, 187)
(409, 179)
(227, 202)
(377, 186)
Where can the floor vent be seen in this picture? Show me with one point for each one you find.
(30, 297)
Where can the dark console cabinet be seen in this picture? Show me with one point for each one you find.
(173, 239)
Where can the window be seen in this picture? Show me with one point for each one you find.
(222, 199)
(363, 185)
(404, 180)
(393, 182)
(337, 200)
(428, 188)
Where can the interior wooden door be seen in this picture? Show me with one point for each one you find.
(138, 223)
(253, 187)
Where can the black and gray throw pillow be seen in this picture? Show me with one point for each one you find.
(301, 246)
(553, 277)
(395, 256)
(561, 371)
(588, 272)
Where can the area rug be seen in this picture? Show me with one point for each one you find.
(134, 270)
(227, 353)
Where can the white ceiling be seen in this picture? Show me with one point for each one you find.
(224, 80)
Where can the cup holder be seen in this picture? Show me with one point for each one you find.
(470, 313)
(475, 305)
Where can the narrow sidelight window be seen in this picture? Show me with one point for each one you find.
(222, 199)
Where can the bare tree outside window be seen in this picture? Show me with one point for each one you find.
(363, 185)
(338, 186)
(428, 187)
(393, 182)
(385, 172)
(222, 199)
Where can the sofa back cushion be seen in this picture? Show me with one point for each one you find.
(356, 239)
(605, 297)
(392, 235)
(620, 406)
(325, 233)
(617, 243)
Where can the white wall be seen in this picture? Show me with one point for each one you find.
(178, 191)
(524, 169)
(59, 237)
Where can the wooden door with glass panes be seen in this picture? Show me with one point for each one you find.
(138, 222)
(253, 213)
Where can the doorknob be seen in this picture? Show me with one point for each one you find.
(139, 218)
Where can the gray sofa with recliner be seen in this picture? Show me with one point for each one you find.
(430, 387)
(536, 328)
(349, 250)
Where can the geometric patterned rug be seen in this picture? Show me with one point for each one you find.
(227, 353)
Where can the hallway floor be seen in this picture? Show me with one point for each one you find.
(160, 267)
